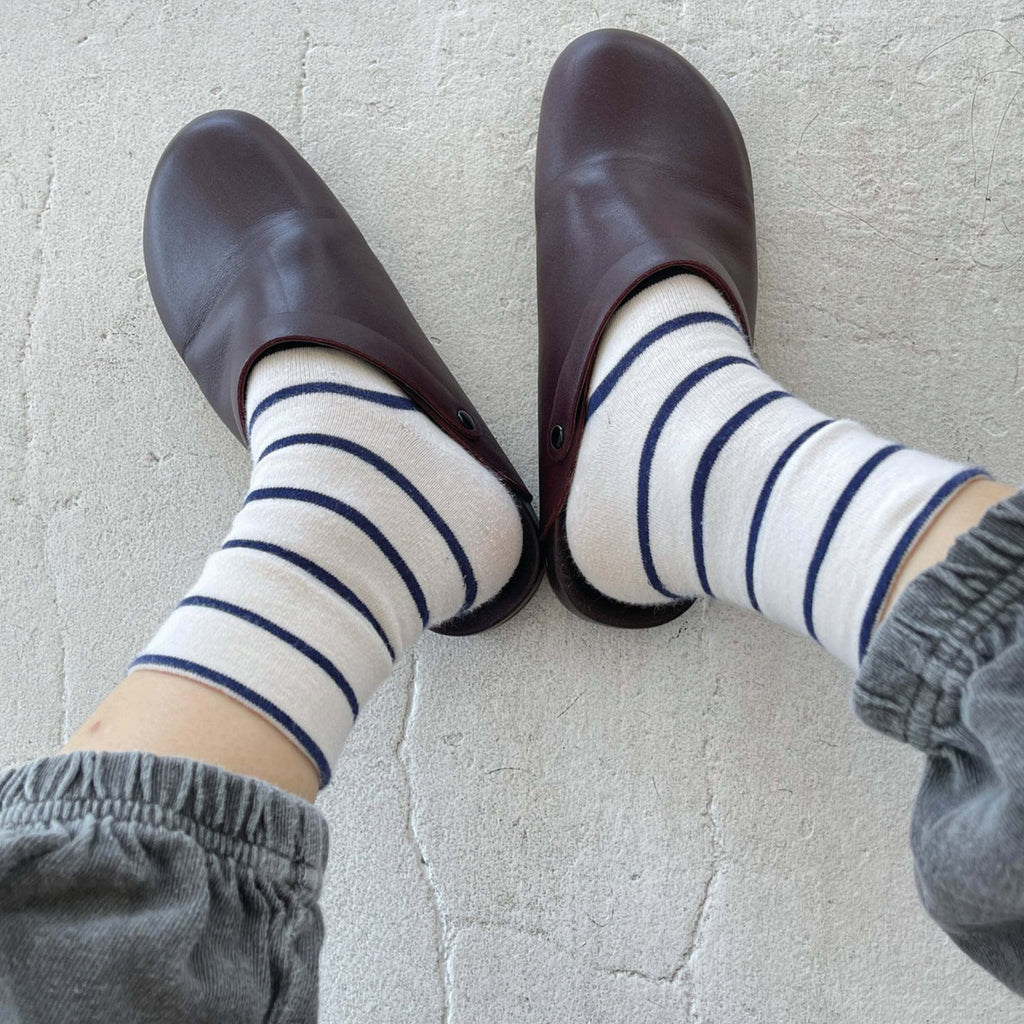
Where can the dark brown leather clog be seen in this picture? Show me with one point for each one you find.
(640, 168)
(246, 248)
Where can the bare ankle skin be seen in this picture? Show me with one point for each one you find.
(171, 715)
(962, 512)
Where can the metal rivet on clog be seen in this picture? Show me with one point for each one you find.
(557, 436)
(466, 420)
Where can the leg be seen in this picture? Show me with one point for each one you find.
(148, 852)
(962, 512)
(158, 869)
(672, 466)
(741, 491)
(945, 673)
(173, 715)
(194, 876)
(748, 494)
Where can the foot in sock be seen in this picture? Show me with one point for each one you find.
(363, 525)
(698, 474)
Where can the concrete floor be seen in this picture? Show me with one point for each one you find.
(556, 821)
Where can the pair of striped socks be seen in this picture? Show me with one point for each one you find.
(365, 523)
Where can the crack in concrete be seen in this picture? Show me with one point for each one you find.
(714, 873)
(23, 352)
(487, 924)
(685, 968)
(51, 173)
(444, 939)
(448, 932)
(44, 208)
(666, 981)
(60, 614)
(661, 980)
(62, 663)
(300, 88)
(24, 344)
(709, 816)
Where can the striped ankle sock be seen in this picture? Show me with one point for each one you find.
(364, 523)
(738, 489)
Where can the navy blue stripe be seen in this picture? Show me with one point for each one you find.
(329, 387)
(676, 395)
(841, 505)
(762, 504)
(605, 387)
(358, 519)
(251, 697)
(909, 536)
(326, 578)
(396, 477)
(704, 467)
(282, 634)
